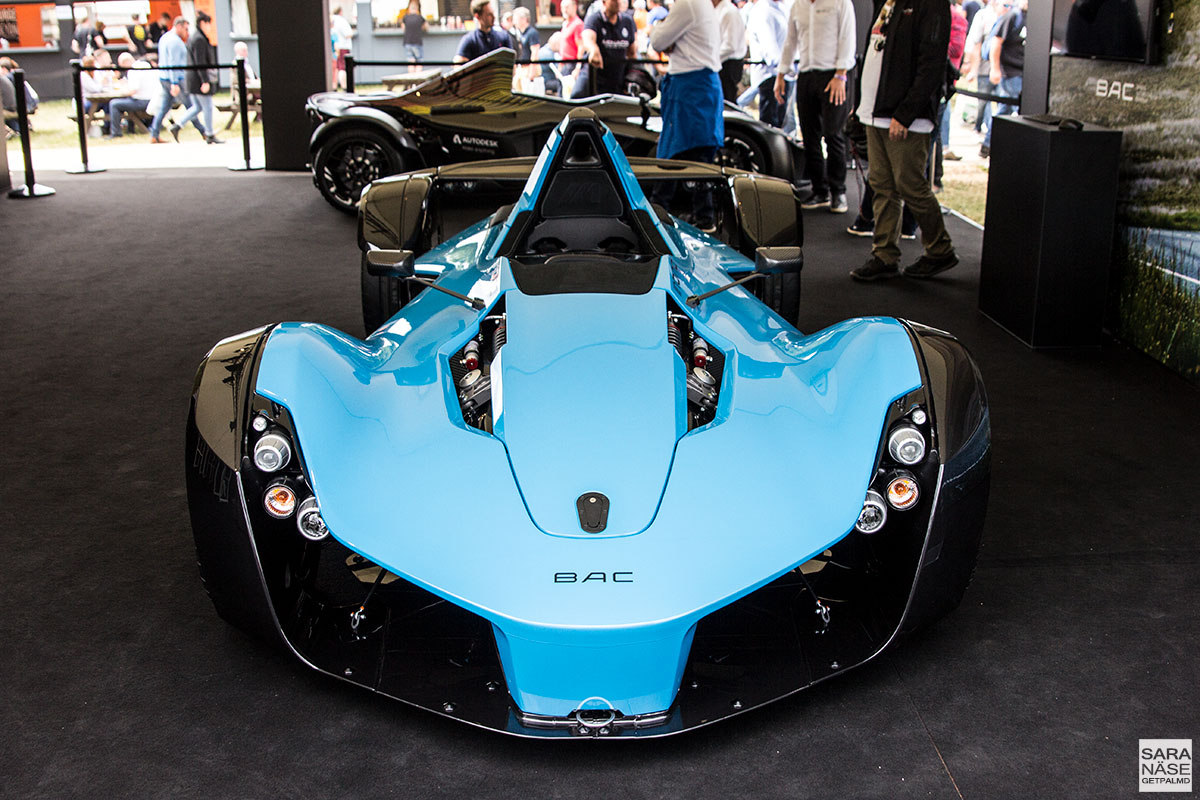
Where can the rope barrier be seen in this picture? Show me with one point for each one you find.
(243, 109)
(995, 98)
(32, 188)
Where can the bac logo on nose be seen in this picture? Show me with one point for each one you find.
(595, 577)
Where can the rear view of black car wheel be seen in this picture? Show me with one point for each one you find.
(742, 151)
(781, 293)
(348, 161)
(382, 298)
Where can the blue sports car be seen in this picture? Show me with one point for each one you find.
(587, 482)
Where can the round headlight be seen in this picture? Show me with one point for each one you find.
(902, 491)
(906, 445)
(873, 514)
(280, 501)
(272, 453)
(309, 522)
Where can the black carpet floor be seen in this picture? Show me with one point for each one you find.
(1079, 636)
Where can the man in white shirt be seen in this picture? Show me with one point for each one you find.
(820, 42)
(765, 32)
(141, 85)
(692, 104)
(733, 47)
(981, 27)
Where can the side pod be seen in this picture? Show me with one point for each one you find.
(225, 551)
(960, 408)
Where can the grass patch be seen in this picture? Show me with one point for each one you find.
(53, 129)
(1154, 311)
(965, 189)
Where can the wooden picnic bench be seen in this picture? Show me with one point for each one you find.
(234, 109)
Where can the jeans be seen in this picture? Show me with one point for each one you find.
(196, 104)
(1009, 87)
(118, 108)
(415, 52)
(897, 174)
(167, 102)
(983, 112)
(770, 110)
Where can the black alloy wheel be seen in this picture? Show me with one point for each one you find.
(348, 161)
(742, 151)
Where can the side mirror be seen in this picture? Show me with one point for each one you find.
(390, 263)
(778, 260)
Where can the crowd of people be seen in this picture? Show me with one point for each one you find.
(882, 103)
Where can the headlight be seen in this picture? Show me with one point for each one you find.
(272, 453)
(902, 491)
(280, 500)
(873, 514)
(906, 445)
(309, 522)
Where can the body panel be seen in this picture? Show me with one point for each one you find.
(745, 520)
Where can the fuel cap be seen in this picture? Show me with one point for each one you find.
(593, 512)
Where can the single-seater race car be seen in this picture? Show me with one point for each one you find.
(471, 113)
(585, 484)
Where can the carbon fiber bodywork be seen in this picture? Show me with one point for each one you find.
(471, 114)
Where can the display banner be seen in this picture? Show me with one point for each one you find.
(1155, 288)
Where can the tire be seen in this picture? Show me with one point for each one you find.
(382, 298)
(349, 160)
(743, 151)
(781, 294)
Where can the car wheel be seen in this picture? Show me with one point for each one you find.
(742, 151)
(348, 161)
(382, 298)
(781, 294)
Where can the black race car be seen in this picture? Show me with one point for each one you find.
(471, 113)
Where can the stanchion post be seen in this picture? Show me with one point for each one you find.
(31, 188)
(80, 122)
(244, 111)
(349, 73)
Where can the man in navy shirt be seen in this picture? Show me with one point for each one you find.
(608, 41)
(485, 38)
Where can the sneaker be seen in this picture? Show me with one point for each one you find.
(875, 270)
(950, 155)
(908, 233)
(985, 151)
(707, 227)
(157, 140)
(175, 132)
(926, 267)
(837, 204)
(816, 201)
(213, 139)
(861, 227)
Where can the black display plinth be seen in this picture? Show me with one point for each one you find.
(1051, 212)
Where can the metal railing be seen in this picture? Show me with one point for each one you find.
(80, 118)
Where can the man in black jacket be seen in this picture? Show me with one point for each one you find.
(201, 83)
(903, 73)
